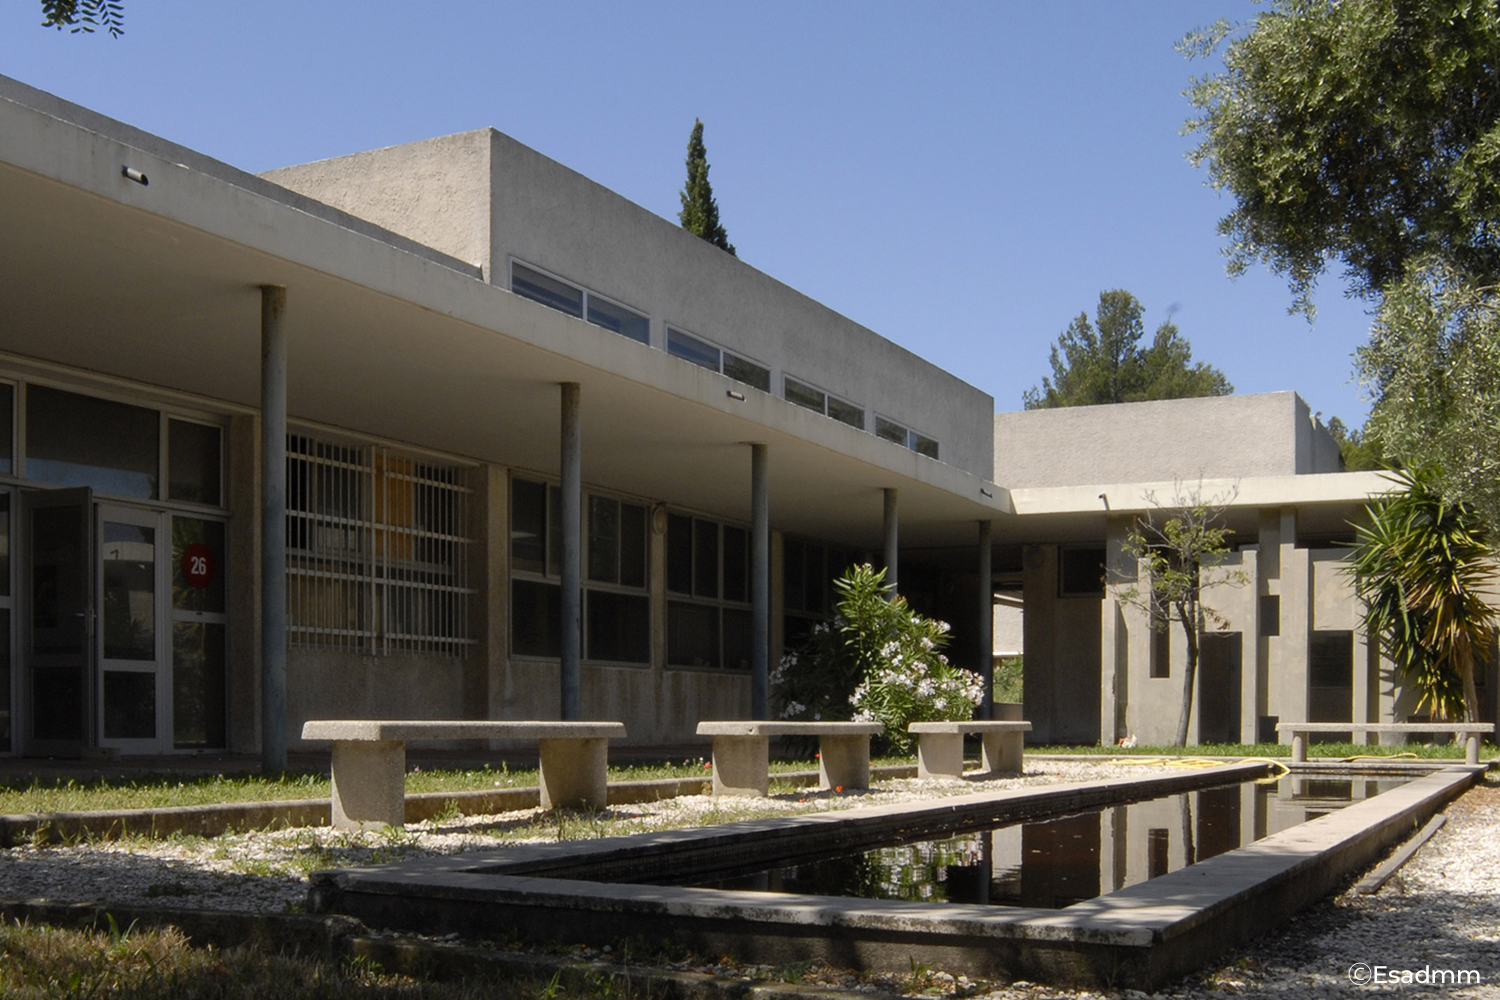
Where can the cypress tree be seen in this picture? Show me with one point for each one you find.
(700, 213)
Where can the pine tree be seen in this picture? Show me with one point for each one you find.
(700, 213)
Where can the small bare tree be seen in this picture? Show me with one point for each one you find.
(1182, 547)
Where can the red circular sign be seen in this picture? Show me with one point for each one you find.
(198, 565)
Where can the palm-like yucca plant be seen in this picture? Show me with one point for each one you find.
(1422, 567)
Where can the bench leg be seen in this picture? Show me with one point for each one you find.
(1471, 748)
(1299, 748)
(369, 784)
(1001, 754)
(940, 755)
(741, 765)
(844, 761)
(574, 772)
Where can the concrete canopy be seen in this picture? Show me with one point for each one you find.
(157, 284)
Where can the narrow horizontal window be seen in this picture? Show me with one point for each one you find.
(547, 290)
(619, 319)
(748, 372)
(803, 394)
(846, 413)
(889, 430)
(924, 445)
(689, 348)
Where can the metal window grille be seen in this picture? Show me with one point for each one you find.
(378, 550)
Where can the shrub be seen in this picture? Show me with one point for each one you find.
(878, 660)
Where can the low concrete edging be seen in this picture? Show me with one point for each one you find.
(217, 819)
(1140, 936)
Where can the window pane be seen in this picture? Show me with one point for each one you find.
(548, 291)
(197, 685)
(736, 639)
(197, 564)
(692, 349)
(705, 559)
(747, 372)
(554, 531)
(890, 431)
(129, 705)
(5, 743)
(535, 618)
(795, 590)
(632, 545)
(128, 592)
(924, 445)
(692, 635)
(818, 582)
(7, 434)
(193, 462)
(5, 552)
(74, 440)
(619, 319)
(679, 553)
(604, 540)
(619, 627)
(846, 413)
(803, 394)
(736, 564)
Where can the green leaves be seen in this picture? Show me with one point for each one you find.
(1104, 363)
(1422, 566)
(1360, 132)
(700, 213)
(83, 16)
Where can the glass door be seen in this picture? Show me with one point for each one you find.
(58, 621)
(133, 695)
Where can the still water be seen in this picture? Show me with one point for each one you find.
(1054, 863)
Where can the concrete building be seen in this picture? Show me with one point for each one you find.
(1291, 650)
(505, 445)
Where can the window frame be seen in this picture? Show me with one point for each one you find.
(720, 353)
(913, 440)
(586, 297)
(719, 603)
(828, 399)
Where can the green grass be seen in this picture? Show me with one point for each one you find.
(162, 791)
(1426, 751)
(49, 962)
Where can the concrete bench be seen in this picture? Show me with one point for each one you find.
(369, 762)
(940, 747)
(741, 748)
(1300, 731)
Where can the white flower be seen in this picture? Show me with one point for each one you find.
(940, 704)
(943, 627)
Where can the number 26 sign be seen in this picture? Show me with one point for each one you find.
(198, 565)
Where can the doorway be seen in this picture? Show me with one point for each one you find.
(124, 627)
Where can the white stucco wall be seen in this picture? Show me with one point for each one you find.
(1233, 437)
(484, 197)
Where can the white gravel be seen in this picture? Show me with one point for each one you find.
(1441, 912)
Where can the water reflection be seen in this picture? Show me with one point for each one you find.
(1058, 862)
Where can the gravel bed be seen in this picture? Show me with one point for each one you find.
(1441, 911)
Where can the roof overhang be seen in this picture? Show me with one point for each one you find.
(158, 284)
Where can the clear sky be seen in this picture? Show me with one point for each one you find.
(962, 177)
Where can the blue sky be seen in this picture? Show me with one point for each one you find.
(962, 177)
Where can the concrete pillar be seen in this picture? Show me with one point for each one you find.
(273, 529)
(1296, 622)
(760, 582)
(572, 526)
(891, 539)
(1115, 633)
(986, 597)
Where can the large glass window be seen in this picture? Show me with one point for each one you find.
(808, 570)
(625, 322)
(708, 593)
(617, 609)
(194, 462)
(198, 633)
(813, 398)
(75, 440)
(689, 348)
(7, 428)
(378, 550)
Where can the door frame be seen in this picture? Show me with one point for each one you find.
(160, 664)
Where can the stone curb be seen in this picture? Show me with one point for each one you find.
(213, 820)
(334, 937)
